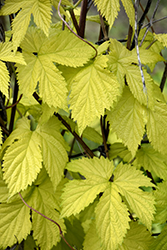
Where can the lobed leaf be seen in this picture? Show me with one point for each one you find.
(22, 163)
(15, 222)
(161, 203)
(128, 180)
(112, 220)
(152, 161)
(93, 89)
(156, 127)
(137, 238)
(127, 120)
(79, 194)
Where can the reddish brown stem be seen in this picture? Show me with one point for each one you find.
(82, 20)
(60, 230)
(15, 102)
(74, 32)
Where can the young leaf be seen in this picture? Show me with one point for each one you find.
(41, 11)
(112, 220)
(110, 9)
(15, 223)
(128, 180)
(152, 161)
(94, 88)
(162, 38)
(161, 203)
(137, 238)
(156, 127)
(127, 120)
(22, 163)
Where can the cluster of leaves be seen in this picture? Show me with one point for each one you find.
(70, 90)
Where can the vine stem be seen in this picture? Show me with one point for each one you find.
(15, 102)
(60, 230)
(74, 32)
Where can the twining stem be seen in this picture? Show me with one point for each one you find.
(60, 230)
(74, 32)
(11, 106)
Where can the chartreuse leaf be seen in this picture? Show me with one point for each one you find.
(128, 180)
(137, 238)
(127, 120)
(118, 149)
(119, 59)
(15, 223)
(160, 242)
(110, 9)
(97, 173)
(4, 192)
(92, 241)
(135, 84)
(85, 193)
(4, 79)
(156, 127)
(41, 11)
(40, 52)
(162, 38)
(6, 54)
(151, 160)
(45, 232)
(161, 203)
(94, 88)
(111, 214)
(112, 220)
(22, 163)
(53, 149)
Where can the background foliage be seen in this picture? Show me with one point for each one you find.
(83, 127)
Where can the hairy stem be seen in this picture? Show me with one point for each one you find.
(60, 230)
